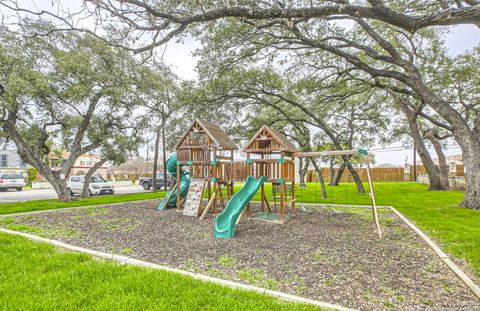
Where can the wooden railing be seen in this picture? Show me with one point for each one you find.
(238, 171)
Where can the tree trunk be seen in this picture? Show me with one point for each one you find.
(339, 174)
(320, 178)
(302, 170)
(467, 137)
(155, 159)
(332, 171)
(432, 170)
(442, 161)
(60, 187)
(471, 161)
(356, 178)
(88, 177)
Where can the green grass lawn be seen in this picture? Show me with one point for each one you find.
(37, 276)
(39, 205)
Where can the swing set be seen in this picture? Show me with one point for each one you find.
(348, 154)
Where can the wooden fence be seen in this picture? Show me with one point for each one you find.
(379, 174)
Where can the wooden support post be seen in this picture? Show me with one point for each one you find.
(262, 172)
(372, 198)
(201, 197)
(239, 217)
(293, 197)
(169, 197)
(179, 200)
(282, 202)
(210, 203)
(215, 183)
(282, 190)
(209, 189)
(264, 198)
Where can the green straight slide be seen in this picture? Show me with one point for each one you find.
(184, 184)
(226, 222)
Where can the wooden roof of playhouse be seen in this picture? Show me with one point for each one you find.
(268, 140)
(204, 133)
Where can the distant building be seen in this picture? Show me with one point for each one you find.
(10, 161)
(454, 158)
(81, 166)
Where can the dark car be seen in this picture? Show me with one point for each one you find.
(146, 182)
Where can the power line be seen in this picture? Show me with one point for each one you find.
(403, 148)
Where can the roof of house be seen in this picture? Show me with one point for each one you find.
(215, 132)
(280, 139)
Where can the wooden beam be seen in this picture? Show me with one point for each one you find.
(201, 196)
(205, 211)
(325, 153)
(372, 198)
(179, 200)
(169, 197)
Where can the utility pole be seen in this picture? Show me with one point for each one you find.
(164, 120)
(147, 150)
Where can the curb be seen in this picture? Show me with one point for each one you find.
(135, 262)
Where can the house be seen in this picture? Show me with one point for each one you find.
(456, 159)
(10, 161)
(81, 166)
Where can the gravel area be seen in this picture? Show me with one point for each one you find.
(332, 255)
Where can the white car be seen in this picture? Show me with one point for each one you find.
(98, 185)
(11, 181)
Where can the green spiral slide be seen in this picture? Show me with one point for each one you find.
(226, 222)
(184, 184)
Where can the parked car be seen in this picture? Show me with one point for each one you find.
(11, 181)
(97, 185)
(146, 182)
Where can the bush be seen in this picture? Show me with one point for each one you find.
(32, 174)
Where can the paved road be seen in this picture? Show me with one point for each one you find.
(42, 194)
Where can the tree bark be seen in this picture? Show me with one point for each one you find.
(356, 178)
(320, 177)
(471, 161)
(302, 170)
(88, 177)
(339, 174)
(155, 158)
(442, 161)
(60, 187)
(332, 171)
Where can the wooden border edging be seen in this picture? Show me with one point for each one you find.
(465, 278)
(135, 262)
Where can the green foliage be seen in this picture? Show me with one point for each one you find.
(67, 92)
(32, 174)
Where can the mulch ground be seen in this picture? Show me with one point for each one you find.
(329, 255)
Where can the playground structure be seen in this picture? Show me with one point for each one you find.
(204, 166)
(202, 162)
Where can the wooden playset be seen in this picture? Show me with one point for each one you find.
(205, 164)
